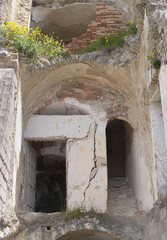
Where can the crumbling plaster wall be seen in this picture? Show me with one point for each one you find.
(157, 222)
(45, 87)
(120, 97)
(127, 7)
(9, 148)
(20, 11)
(79, 130)
(155, 19)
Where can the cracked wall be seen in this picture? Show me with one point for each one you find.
(107, 91)
(83, 189)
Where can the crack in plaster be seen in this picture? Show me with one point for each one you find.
(93, 171)
(66, 108)
(162, 167)
(86, 136)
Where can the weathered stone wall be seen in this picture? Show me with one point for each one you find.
(18, 11)
(4, 6)
(54, 226)
(126, 6)
(108, 20)
(157, 222)
(159, 148)
(107, 89)
(9, 98)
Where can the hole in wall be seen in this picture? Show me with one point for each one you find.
(48, 228)
(46, 176)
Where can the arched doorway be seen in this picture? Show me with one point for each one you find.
(120, 159)
(116, 149)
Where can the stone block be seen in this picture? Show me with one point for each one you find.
(54, 127)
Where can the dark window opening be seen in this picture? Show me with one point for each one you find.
(50, 176)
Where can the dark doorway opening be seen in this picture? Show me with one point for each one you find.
(120, 158)
(116, 149)
(51, 176)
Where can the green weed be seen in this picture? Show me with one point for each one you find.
(154, 60)
(109, 40)
(80, 212)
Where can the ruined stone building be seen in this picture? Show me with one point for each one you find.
(87, 131)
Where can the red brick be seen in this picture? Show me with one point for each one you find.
(107, 20)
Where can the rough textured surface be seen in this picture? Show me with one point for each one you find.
(54, 127)
(107, 86)
(66, 22)
(108, 20)
(157, 222)
(8, 88)
(121, 199)
(54, 226)
(18, 11)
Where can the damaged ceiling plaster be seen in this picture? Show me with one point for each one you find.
(67, 22)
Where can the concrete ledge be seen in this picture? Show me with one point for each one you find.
(57, 127)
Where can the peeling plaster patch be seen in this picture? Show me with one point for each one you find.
(67, 22)
(78, 90)
(82, 149)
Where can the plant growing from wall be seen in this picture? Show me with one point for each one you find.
(34, 44)
(154, 60)
(110, 40)
(80, 212)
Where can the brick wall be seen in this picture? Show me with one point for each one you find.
(7, 122)
(108, 19)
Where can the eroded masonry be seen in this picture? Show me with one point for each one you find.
(88, 131)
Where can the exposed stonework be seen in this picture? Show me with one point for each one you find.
(9, 98)
(18, 11)
(91, 90)
(107, 20)
(54, 226)
(157, 222)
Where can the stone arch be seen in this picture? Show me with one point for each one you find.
(85, 88)
(87, 234)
